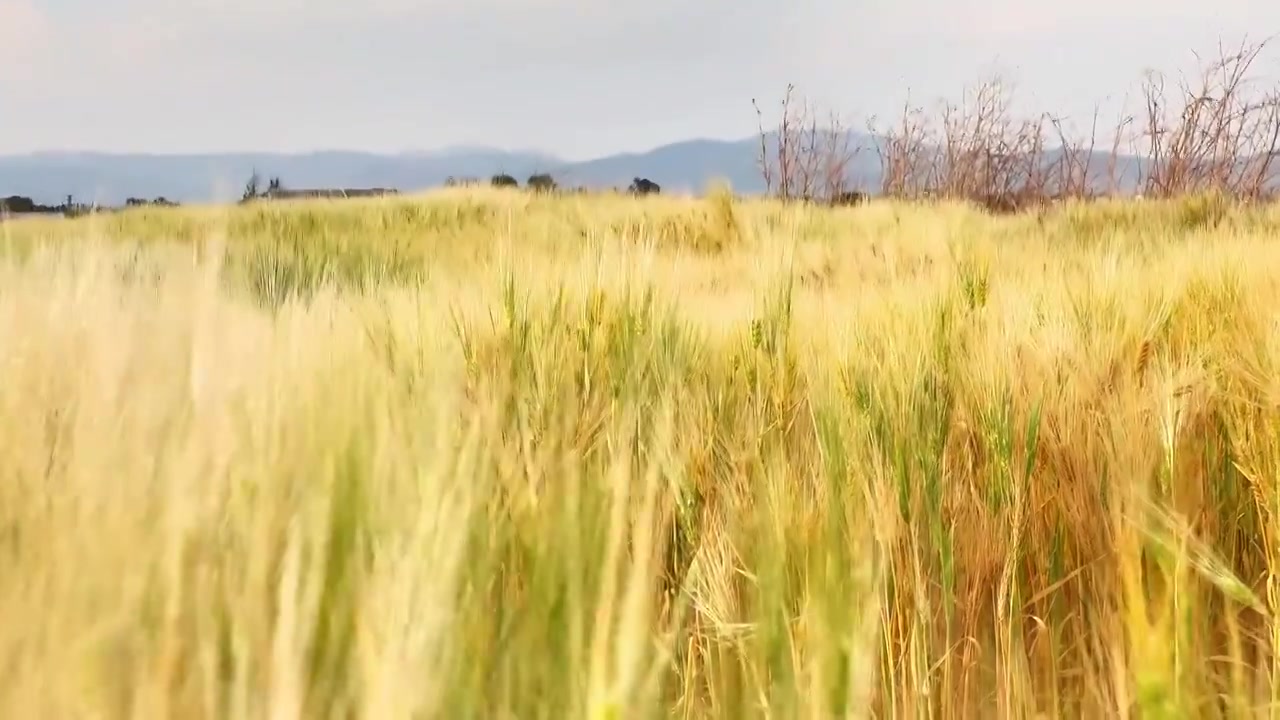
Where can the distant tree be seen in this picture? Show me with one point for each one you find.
(274, 185)
(17, 204)
(852, 197)
(504, 180)
(644, 186)
(160, 201)
(251, 188)
(541, 182)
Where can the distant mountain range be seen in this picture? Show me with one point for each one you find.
(110, 179)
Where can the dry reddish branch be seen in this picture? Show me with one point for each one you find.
(809, 160)
(906, 165)
(979, 152)
(1214, 134)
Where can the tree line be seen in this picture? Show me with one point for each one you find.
(23, 205)
(275, 189)
(545, 183)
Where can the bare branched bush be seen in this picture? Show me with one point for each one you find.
(1217, 133)
(1075, 173)
(1220, 134)
(906, 163)
(980, 151)
(803, 159)
(980, 145)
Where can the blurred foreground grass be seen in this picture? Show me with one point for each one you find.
(492, 455)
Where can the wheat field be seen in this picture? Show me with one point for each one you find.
(486, 454)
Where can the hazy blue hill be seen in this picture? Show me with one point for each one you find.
(686, 166)
(683, 166)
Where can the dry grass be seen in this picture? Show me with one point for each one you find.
(486, 454)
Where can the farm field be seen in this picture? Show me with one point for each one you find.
(491, 454)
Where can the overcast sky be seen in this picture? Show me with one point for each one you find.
(576, 77)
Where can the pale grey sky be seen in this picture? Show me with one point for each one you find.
(575, 77)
